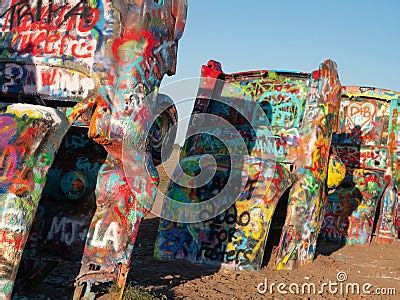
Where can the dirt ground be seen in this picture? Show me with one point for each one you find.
(373, 264)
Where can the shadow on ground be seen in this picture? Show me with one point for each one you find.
(162, 276)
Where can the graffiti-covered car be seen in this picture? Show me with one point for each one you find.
(93, 62)
(368, 143)
(288, 148)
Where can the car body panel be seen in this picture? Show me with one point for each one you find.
(302, 109)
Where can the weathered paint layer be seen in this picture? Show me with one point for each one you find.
(29, 139)
(367, 142)
(104, 57)
(302, 110)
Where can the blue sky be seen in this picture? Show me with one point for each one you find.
(362, 36)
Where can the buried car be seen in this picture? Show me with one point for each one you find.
(368, 143)
(287, 147)
(95, 62)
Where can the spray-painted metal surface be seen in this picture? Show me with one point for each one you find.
(106, 56)
(46, 56)
(48, 48)
(68, 200)
(144, 38)
(68, 203)
(60, 226)
(29, 138)
(367, 141)
(302, 110)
